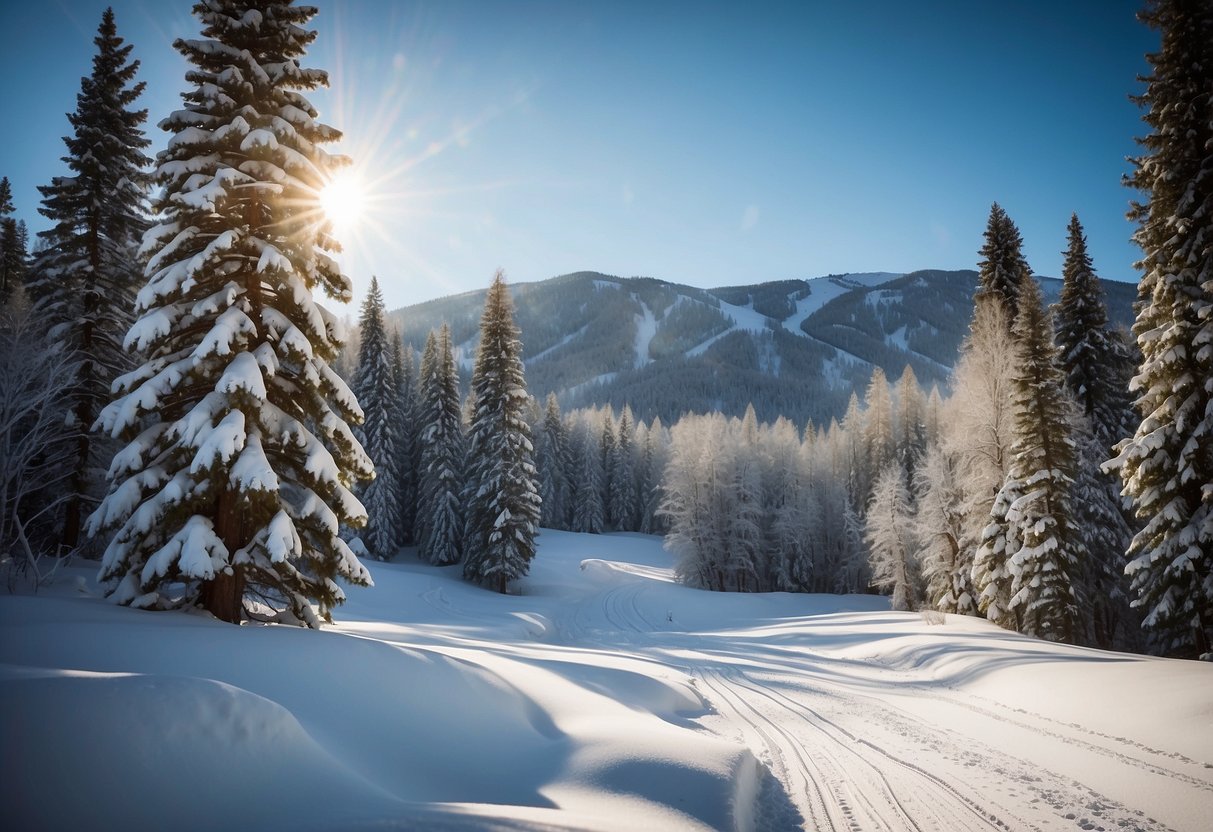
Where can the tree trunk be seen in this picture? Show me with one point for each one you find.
(223, 595)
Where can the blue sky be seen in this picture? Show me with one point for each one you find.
(701, 143)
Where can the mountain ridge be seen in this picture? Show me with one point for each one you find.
(796, 348)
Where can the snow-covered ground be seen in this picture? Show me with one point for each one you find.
(604, 697)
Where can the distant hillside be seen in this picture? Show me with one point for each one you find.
(792, 347)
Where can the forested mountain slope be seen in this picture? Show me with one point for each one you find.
(792, 347)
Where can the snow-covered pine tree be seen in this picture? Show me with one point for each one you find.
(1092, 357)
(652, 465)
(237, 472)
(991, 570)
(502, 505)
(84, 280)
(1051, 552)
(889, 531)
(552, 459)
(408, 445)
(1003, 269)
(1167, 465)
(623, 476)
(911, 422)
(425, 414)
(442, 455)
(606, 453)
(588, 514)
(1042, 550)
(1094, 362)
(375, 387)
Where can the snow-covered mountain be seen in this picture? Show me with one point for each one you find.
(792, 347)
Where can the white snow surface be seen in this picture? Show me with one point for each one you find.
(604, 697)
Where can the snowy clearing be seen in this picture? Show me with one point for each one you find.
(606, 697)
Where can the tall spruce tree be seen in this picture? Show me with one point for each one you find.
(408, 441)
(1167, 465)
(236, 476)
(13, 244)
(623, 476)
(440, 508)
(85, 279)
(502, 504)
(1094, 361)
(375, 385)
(1002, 271)
(552, 459)
(1033, 540)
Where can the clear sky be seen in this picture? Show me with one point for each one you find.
(702, 143)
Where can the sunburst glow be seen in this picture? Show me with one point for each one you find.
(343, 200)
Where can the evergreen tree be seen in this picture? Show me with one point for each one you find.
(589, 514)
(408, 444)
(1094, 362)
(623, 477)
(649, 477)
(911, 422)
(235, 477)
(13, 244)
(1092, 357)
(502, 502)
(1003, 269)
(552, 457)
(85, 278)
(1040, 548)
(375, 387)
(606, 456)
(1167, 465)
(440, 508)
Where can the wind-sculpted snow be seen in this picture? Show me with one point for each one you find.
(605, 696)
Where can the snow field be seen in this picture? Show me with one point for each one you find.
(604, 697)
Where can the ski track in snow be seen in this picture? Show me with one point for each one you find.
(851, 759)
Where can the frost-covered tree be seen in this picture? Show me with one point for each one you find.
(1035, 552)
(239, 462)
(946, 565)
(502, 503)
(788, 511)
(375, 387)
(1003, 270)
(1167, 465)
(440, 509)
(84, 280)
(623, 476)
(36, 373)
(977, 427)
(889, 531)
(879, 438)
(911, 422)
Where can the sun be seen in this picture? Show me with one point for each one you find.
(342, 200)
